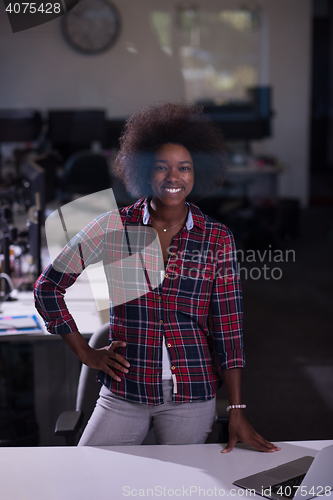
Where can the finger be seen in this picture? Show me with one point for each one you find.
(117, 366)
(274, 447)
(271, 446)
(259, 445)
(112, 374)
(267, 444)
(117, 357)
(229, 446)
(262, 444)
(116, 343)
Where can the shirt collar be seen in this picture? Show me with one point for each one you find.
(146, 216)
(139, 212)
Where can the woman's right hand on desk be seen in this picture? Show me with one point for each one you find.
(102, 359)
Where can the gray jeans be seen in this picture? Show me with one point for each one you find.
(116, 421)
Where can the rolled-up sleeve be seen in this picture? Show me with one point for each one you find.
(49, 293)
(226, 312)
(50, 288)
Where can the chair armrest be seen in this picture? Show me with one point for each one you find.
(221, 410)
(222, 419)
(69, 423)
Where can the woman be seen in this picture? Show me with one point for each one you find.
(168, 347)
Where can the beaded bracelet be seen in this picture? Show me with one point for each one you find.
(232, 407)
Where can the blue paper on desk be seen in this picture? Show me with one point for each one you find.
(19, 324)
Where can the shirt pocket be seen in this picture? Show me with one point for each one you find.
(195, 278)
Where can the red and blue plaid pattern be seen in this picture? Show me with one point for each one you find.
(197, 307)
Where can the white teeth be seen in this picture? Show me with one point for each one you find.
(173, 190)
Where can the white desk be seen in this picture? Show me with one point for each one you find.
(115, 473)
(80, 302)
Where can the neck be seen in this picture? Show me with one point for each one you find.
(165, 214)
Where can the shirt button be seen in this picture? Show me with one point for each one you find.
(172, 254)
(160, 321)
(173, 368)
(168, 345)
(166, 275)
(159, 297)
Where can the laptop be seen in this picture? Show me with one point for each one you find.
(300, 479)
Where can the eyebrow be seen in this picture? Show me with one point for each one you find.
(166, 161)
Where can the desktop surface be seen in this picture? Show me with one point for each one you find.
(80, 302)
(86, 473)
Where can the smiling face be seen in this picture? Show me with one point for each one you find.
(172, 174)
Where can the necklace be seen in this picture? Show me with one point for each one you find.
(167, 229)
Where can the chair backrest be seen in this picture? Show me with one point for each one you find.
(86, 172)
(88, 388)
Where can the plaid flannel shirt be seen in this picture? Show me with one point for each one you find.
(197, 307)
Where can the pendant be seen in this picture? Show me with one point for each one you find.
(164, 230)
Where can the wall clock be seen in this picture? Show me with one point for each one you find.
(92, 26)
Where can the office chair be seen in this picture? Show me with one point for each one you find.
(85, 172)
(70, 424)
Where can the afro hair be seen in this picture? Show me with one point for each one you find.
(184, 124)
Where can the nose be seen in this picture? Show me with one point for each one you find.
(172, 175)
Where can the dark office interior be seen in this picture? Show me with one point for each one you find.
(282, 219)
